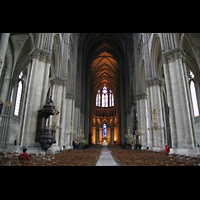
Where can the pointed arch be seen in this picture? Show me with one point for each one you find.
(56, 55)
(142, 78)
(156, 58)
(69, 77)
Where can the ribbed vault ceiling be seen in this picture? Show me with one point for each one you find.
(104, 55)
(105, 72)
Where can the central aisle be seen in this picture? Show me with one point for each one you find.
(106, 158)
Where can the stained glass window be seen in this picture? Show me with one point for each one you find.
(110, 99)
(193, 94)
(99, 98)
(19, 94)
(113, 100)
(104, 98)
(194, 99)
(104, 130)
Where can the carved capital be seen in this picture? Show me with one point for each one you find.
(141, 96)
(61, 81)
(78, 104)
(40, 55)
(154, 81)
(43, 56)
(49, 57)
(164, 59)
(1, 63)
(35, 54)
(172, 55)
(68, 95)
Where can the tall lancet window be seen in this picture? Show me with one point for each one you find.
(105, 97)
(104, 130)
(111, 99)
(193, 94)
(98, 99)
(19, 95)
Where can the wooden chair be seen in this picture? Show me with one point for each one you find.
(15, 163)
(34, 160)
(2, 154)
(5, 160)
(187, 157)
(40, 155)
(8, 154)
(22, 159)
(33, 155)
(14, 158)
(15, 154)
(28, 163)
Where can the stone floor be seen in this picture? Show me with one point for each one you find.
(106, 159)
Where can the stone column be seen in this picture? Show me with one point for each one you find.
(180, 99)
(33, 99)
(34, 59)
(170, 102)
(108, 135)
(149, 119)
(59, 116)
(116, 133)
(47, 58)
(155, 100)
(142, 116)
(63, 117)
(68, 98)
(100, 134)
(3, 49)
(111, 136)
(94, 135)
(97, 136)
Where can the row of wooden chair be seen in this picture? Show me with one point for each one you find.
(114, 147)
(60, 158)
(152, 158)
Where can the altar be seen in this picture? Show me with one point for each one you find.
(104, 141)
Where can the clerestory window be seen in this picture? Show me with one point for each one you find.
(19, 95)
(105, 98)
(193, 94)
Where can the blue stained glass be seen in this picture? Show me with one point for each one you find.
(104, 130)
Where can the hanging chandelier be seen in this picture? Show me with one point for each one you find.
(7, 104)
(71, 133)
(128, 135)
(155, 123)
(139, 129)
